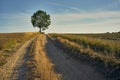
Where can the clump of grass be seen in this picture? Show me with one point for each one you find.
(40, 67)
(3, 58)
(7, 43)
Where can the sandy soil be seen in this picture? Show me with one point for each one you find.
(70, 69)
(15, 68)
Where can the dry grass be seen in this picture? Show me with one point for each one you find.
(40, 67)
(10, 42)
(106, 47)
(107, 64)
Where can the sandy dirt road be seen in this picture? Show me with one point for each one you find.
(15, 68)
(69, 68)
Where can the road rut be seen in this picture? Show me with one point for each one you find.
(70, 68)
(15, 68)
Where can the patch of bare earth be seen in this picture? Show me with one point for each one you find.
(40, 67)
(30, 63)
(70, 68)
(15, 64)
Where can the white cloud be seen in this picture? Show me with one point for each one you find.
(89, 15)
(106, 21)
(16, 19)
(66, 7)
(16, 22)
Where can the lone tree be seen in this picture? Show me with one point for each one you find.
(41, 20)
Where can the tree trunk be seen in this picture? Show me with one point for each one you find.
(40, 30)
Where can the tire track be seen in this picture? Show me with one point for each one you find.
(9, 70)
(70, 68)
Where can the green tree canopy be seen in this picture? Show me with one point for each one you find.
(41, 20)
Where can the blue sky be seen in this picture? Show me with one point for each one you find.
(73, 16)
